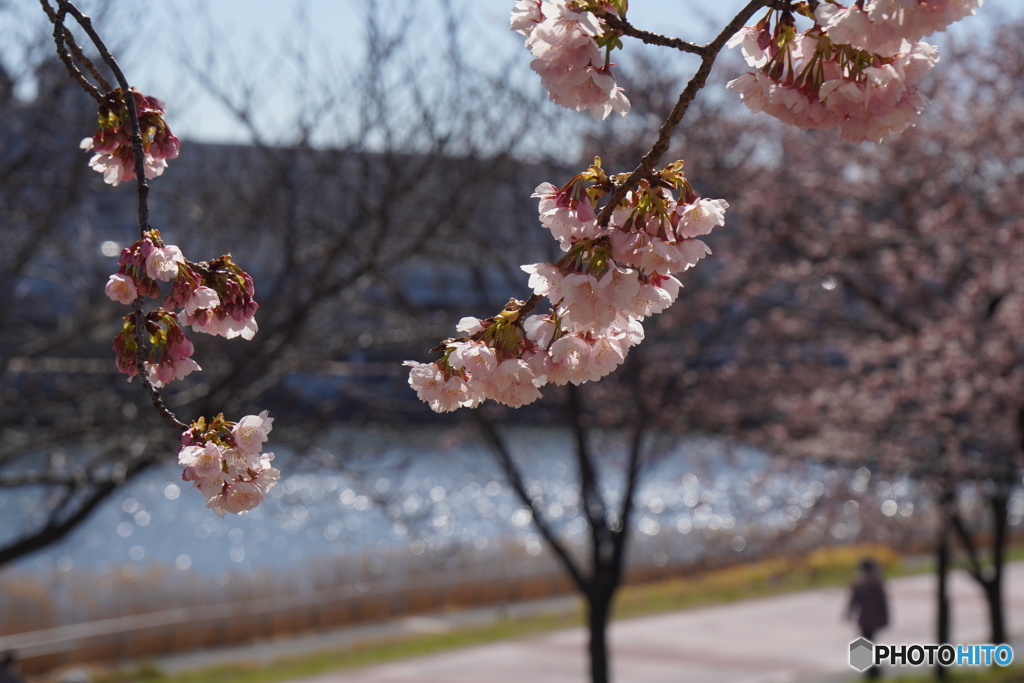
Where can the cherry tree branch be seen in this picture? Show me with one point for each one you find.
(65, 41)
(708, 54)
(73, 505)
(963, 533)
(627, 29)
(515, 479)
(593, 505)
(633, 470)
(138, 151)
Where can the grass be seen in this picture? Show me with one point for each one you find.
(366, 654)
(824, 567)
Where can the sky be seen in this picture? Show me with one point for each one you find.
(332, 34)
(278, 53)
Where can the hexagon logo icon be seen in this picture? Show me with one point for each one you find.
(862, 654)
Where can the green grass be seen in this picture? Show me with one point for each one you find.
(367, 654)
(825, 567)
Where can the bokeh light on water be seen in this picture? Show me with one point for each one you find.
(427, 492)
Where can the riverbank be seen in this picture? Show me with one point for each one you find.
(458, 625)
(798, 637)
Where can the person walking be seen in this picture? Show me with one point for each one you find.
(9, 668)
(869, 606)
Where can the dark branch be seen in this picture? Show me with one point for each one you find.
(515, 479)
(627, 29)
(139, 153)
(709, 53)
(632, 479)
(64, 41)
(56, 528)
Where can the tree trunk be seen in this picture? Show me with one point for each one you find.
(996, 620)
(599, 602)
(942, 596)
(1000, 503)
(990, 578)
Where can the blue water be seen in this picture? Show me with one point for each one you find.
(432, 490)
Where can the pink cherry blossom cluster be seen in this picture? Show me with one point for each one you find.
(224, 461)
(818, 80)
(611, 277)
(170, 351)
(112, 143)
(215, 298)
(566, 40)
(881, 26)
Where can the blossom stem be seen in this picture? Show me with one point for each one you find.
(68, 50)
(141, 335)
(627, 29)
(708, 54)
(139, 153)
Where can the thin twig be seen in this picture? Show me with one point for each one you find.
(138, 151)
(139, 154)
(63, 38)
(76, 50)
(515, 480)
(627, 29)
(709, 53)
(141, 336)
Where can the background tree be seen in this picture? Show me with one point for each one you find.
(896, 342)
(340, 266)
(352, 267)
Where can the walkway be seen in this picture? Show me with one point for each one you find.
(798, 637)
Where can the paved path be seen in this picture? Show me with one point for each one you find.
(798, 637)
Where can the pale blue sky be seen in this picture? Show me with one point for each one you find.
(242, 37)
(262, 26)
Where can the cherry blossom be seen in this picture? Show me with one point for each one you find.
(525, 15)
(442, 394)
(166, 372)
(132, 264)
(564, 41)
(567, 213)
(215, 298)
(515, 383)
(856, 70)
(121, 288)
(470, 325)
(112, 145)
(657, 294)
(881, 26)
(252, 431)
(239, 497)
(223, 461)
(570, 356)
(202, 462)
(225, 306)
(608, 280)
(163, 263)
(755, 43)
(200, 297)
(700, 217)
(170, 356)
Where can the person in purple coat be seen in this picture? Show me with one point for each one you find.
(868, 605)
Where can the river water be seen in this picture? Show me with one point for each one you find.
(433, 490)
